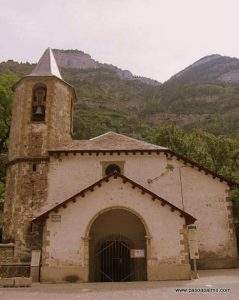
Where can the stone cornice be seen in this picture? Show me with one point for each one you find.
(27, 159)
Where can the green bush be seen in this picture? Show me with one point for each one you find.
(235, 196)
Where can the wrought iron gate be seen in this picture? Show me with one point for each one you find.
(112, 261)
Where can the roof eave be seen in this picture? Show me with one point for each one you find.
(189, 219)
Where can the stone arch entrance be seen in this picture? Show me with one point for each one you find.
(117, 248)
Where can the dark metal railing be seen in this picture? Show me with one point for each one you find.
(111, 261)
(15, 270)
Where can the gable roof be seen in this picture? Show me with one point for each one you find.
(188, 218)
(46, 65)
(108, 141)
(117, 140)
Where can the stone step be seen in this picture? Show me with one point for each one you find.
(7, 282)
(16, 282)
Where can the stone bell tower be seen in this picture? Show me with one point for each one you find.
(41, 120)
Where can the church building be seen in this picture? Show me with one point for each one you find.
(112, 208)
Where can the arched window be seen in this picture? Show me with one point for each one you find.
(111, 169)
(39, 103)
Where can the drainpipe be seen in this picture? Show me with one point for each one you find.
(181, 185)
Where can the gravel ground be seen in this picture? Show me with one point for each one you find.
(212, 284)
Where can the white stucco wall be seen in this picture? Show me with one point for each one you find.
(66, 246)
(196, 193)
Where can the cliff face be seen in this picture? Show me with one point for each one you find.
(214, 68)
(75, 59)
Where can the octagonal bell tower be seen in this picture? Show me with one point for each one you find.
(41, 120)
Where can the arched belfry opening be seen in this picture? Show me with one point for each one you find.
(117, 247)
(39, 102)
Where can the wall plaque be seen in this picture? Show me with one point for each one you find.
(56, 218)
(137, 253)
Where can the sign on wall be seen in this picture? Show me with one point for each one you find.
(193, 243)
(36, 257)
(137, 253)
(56, 218)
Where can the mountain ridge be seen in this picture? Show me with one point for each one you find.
(197, 97)
(214, 68)
(226, 67)
(77, 59)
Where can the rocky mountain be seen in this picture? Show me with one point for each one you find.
(210, 69)
(75, 59)
(204, 95)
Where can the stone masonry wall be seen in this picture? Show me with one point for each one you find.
(31, 139)
(26, 183)
(6, 253)
(26, 194)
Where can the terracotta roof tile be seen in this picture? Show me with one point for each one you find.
(108, 141)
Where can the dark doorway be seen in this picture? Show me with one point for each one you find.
(114, 237)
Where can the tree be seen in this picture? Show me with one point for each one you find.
(6, 94)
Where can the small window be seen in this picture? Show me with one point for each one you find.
(39, 103)
(111, 169)
(34, 167)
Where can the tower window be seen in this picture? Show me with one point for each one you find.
(34, 167)
(39, 103)
(111, 169)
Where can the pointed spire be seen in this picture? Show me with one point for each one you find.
(47, 65)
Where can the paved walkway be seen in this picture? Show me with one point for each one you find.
(212, 284)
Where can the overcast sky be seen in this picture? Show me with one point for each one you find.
(153, 38)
